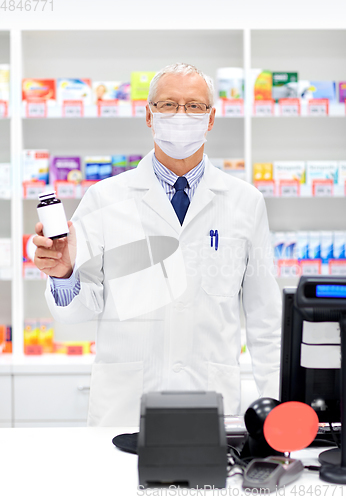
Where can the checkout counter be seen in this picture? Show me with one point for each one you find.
(83, 464)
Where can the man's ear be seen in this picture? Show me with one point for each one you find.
(211, 119)
(148, 116)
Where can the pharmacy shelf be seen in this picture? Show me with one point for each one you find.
(121, 110)
(69, 190)
(126, 136)
(334, 110)
(112, 55)
(130, 110)
(294, 190)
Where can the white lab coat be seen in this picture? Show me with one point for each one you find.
(167, 303)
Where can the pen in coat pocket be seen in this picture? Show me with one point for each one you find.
(216, 235)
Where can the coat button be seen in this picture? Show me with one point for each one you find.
(180, 306)
(177, 367)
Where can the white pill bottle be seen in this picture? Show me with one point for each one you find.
(51, 214)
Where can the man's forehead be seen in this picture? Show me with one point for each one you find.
(189, 84)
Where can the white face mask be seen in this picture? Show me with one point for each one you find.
(180, 135)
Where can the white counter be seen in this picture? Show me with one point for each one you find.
(83, 464)
(53, 390)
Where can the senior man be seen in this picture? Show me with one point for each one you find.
(160, 256)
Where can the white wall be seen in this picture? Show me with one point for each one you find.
(178, 14)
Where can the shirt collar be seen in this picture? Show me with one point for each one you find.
(166, 175)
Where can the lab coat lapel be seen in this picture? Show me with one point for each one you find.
(155, 197)
(210, 184)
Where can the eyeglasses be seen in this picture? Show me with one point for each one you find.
(192, 108)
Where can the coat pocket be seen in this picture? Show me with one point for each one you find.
(222, 270)
(115, 393)
(225, 379)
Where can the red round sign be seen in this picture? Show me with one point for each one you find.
(290, 426)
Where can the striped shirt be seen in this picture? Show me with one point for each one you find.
(64, 290)
(167, 178)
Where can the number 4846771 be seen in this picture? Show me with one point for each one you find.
(28, 5)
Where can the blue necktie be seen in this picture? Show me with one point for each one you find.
(180, 200)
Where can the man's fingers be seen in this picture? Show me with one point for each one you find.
(45, 264)
(39, 228)
(41, 241)
(41, 253)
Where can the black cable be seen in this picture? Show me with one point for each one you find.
(236, 474)
(337, 442)
(312, 467)
(235, 455)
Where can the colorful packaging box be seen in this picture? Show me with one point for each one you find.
(302, 245)
(35, 165)
(73, 347)
(342, 173)
(279, 243)
(105, 91)
(39, 89)
(45, 334)
(98, 167)
(262, 84)
(262, 171)
(315, 89)
(5, 339)
(4, 82)
(314, 245)
(290, 249)
(74, 89)
(124, 92)
(230, 83)
(2, 337)
(321, 170)
(233, 164)
(132, 161)
(31, 329)
(285, 85)
(326, 246)
(289, 170)
(339, 244)
(110, 90)
(119, 163)
(65, 168)
(140, 82)
(29, 248)
(342, 92)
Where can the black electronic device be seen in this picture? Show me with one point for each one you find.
(256, 444)
(317, 387)
(319, 299)
(126, 442)
(182, 440)
(271, 473)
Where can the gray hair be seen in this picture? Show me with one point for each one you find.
(180, 69)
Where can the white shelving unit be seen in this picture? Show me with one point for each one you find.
(5, 204)
(315, 55)
(112, 55)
